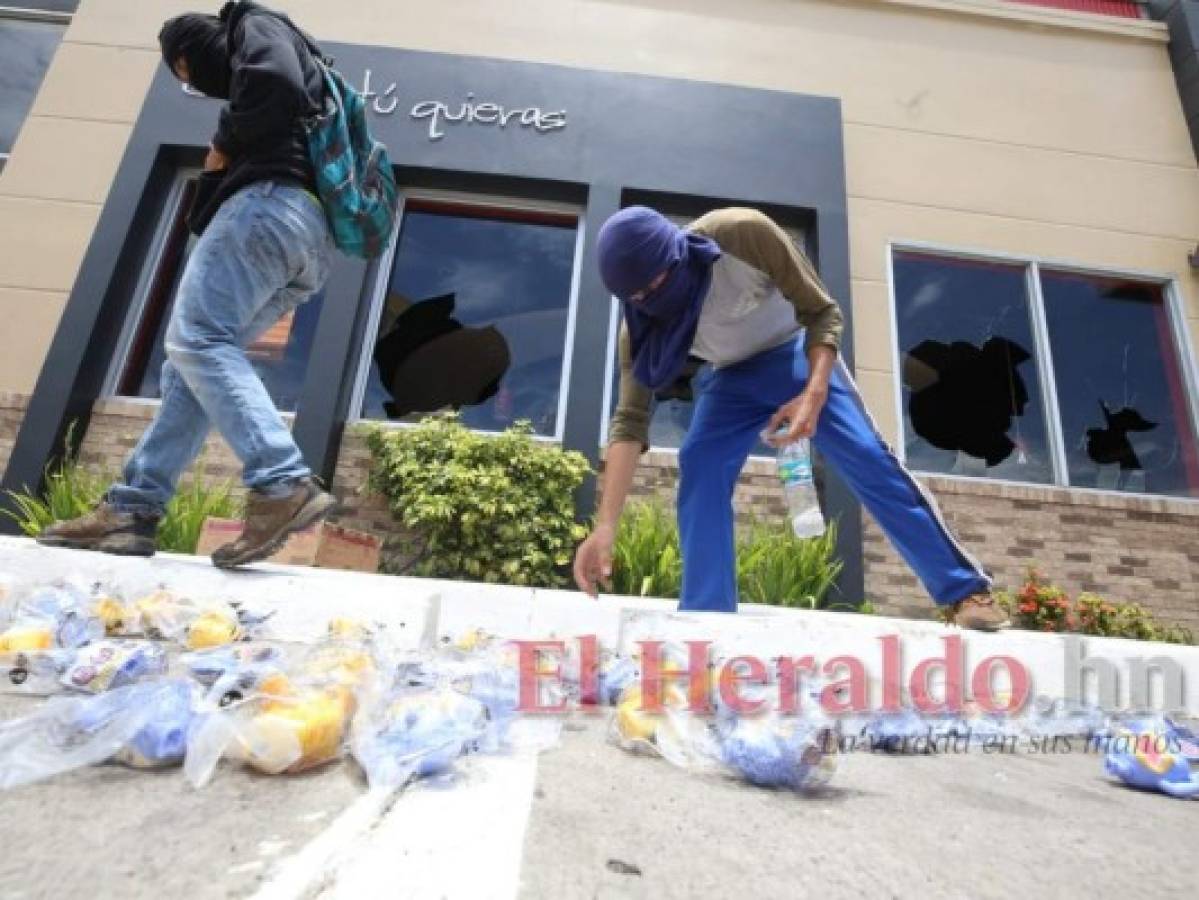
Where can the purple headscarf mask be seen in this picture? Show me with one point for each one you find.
(634, 247)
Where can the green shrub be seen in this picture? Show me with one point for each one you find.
(1096, 615)
(773, 566)
(494, 508)
(1175, 634)
(1041, 606)
(72, 490)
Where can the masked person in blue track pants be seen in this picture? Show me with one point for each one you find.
(734, 291)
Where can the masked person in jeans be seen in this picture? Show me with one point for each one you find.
(265, 249)
(733, 290)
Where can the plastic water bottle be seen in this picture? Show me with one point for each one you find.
(795, 472)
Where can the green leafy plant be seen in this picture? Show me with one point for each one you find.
(645, 555)
(775, 567)
(73, 490)
(495, 508)
(179, 530)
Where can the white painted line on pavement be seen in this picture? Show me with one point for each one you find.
(303, 874)
(460, 840)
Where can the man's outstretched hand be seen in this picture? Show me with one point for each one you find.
(593, 561)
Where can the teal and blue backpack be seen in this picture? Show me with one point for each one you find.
(354, 177)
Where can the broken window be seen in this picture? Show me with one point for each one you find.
(474, 315)
(974, 365)
(972, 396)
(1126, 423)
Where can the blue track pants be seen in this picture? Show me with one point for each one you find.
(733, 405)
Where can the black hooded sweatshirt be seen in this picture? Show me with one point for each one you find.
(274, 84)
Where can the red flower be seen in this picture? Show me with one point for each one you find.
(1028, 606)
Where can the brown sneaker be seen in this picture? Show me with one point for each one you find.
(271, 520)
(106, 529)
(978, 612)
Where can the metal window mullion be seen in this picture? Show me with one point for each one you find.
(1176, 314)
(46, 16)
(1047, 372)
(610, 370)
(901, 435)
(568, 346)
(141, 296)
(379, 297)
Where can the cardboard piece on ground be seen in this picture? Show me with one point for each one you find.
(324, 545)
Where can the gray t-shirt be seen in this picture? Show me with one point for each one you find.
(743, 315)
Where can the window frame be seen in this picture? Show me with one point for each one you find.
(172, 201)
(172, 209)
(382, 278)
(1032, 265)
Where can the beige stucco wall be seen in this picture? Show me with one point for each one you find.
(975, 124)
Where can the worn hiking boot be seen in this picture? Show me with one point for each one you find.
(106, 529)
(270, 520)
(978, 612)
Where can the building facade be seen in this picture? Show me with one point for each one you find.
(1003, 196)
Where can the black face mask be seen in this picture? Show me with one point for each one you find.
(200, 41)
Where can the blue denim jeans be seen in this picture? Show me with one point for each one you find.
(266, 251)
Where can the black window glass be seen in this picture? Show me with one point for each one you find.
(279, 355)
(26, 49)
(475, 316)
(1123, 399)
(972, 396)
